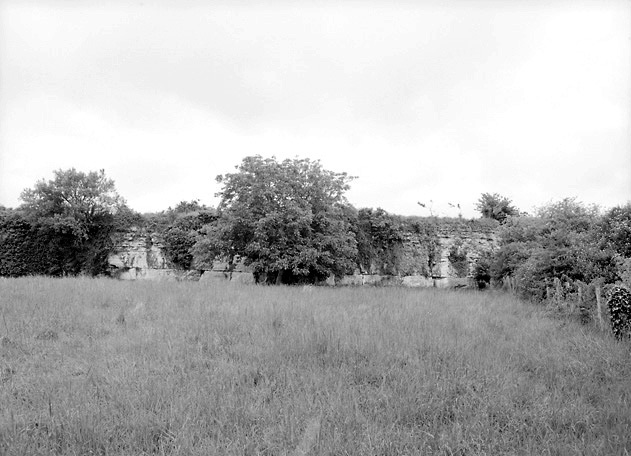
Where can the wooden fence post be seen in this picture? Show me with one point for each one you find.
(599, 308)
(547, 293)
(558, 293)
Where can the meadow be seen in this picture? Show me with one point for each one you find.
(103, 367)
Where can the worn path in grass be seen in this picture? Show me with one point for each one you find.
(93, 366)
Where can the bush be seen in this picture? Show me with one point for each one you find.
(29, 247)
(615, 229)
(379, 240)
(496, 207)
(64, 226)
(624, 271)
(458, 259)
(564, 241)
(482, 270)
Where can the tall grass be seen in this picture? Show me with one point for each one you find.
(93, 366)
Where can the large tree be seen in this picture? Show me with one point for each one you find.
(286, 219)
(83, 197)
(81, 205)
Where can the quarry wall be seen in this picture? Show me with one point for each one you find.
(139, 255)
(444, 259)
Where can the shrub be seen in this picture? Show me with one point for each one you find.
(379, 240)
(562, 242)
(29, 247)
(458, 259)
(482, 270)
(496, 207)
(615, 229)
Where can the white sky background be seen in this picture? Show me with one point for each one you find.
(421, 100)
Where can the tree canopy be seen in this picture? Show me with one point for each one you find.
(83, 197)
(286, 219)
(616, 229)
(495, 206)
(76, 212)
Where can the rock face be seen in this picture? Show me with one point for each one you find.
(139, 255)
(236, 273)
(447, 259)
(470, 245)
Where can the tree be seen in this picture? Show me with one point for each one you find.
(186, 207)
(616, 229)
(84, 198)
(80, 210)
(184, 230)
(495, 206)
(569, 215)
(287, 220)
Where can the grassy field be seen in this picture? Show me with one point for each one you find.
(101, 367)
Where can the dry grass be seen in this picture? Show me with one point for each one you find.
(117, 368)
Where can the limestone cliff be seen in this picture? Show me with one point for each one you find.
(443, 258)
(469, 244)
(139, 254)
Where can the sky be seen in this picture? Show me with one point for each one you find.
(423, 101)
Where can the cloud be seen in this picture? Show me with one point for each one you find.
(432, 100)
(262, 63)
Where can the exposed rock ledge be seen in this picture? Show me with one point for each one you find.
(139, 256)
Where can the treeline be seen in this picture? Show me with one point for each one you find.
(291, 223)
(59, 244)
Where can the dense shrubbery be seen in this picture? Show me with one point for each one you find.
(64, 226)
(458, 259)
(482, 270)
(185, 226)
(615, 230)
(450, 224)
(51, 246)
(30, 248)
(379, 240)
(565, 245)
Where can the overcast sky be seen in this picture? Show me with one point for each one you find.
(420, 100)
